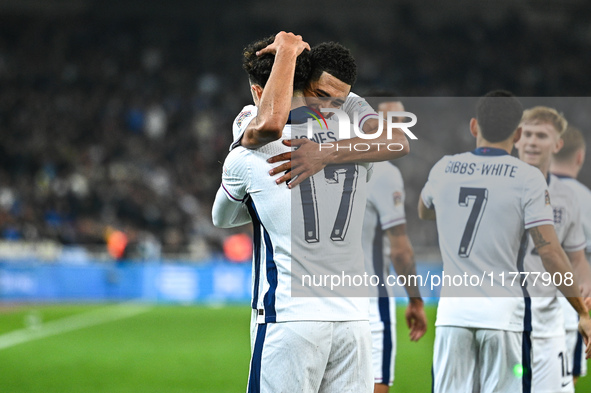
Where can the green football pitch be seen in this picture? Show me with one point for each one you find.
(120, 348)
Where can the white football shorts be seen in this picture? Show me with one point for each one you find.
(312, 356)
(382, 322)
(575, 347)
(481, 360)
(551, 366)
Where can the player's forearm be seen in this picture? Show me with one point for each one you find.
(556, 263)
(402, 257)
(404, 265)
(228, 214)
(275, 103)
(579, 305)
(581, 267)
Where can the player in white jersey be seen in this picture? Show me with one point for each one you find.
(353, 103)
(483, 202)
(329, 87)
(566, 164)
(540, 138)
(384, 240)
(296, 340)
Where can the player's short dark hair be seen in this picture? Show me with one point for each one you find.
(259, 68)
(573, 142)
(336, 60)
(498, 113)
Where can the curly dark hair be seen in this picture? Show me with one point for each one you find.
(336, 60)
(259, 68)
(498, 113)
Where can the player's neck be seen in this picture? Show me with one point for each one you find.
(298, 100)
(564, 170)
(544, 168)
(505, 145)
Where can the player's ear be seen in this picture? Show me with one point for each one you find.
(517, 135)
(257, 92)
(474, 127)
(558, 145)
(580, 157)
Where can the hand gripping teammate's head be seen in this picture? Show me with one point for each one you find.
(259, 68)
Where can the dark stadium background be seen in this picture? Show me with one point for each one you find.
(80, 78)
(116, 115)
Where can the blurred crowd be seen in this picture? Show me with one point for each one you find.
(111, 125)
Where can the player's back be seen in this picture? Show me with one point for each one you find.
(314, 228)
(484, 200)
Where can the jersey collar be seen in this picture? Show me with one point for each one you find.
(563, 176)
(301, 115)
(489, 151)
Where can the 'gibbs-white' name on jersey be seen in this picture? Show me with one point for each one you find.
(484, 200)
(284, 242)
(583, 197)
(353, 103)
(385, 209)
(547, 315)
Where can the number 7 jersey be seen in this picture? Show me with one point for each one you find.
(484, 201)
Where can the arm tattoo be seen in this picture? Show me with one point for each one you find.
(538, 239)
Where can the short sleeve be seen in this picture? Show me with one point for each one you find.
(536, 200)
(235, 175)
(586, 222)
(575, 237)
(356, 104)
(387, 196)
(584, 198)
(240, 123)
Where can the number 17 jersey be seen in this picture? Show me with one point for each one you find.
(484, 201)
(306, 238)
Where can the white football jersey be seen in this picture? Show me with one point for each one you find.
(240, 123)
(484, 200)
(385, 209)
(314, 229)
(583, 196)
(547, 315)
(353, 103)
(356, 104)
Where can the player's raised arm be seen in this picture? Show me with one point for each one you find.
(272, 96)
